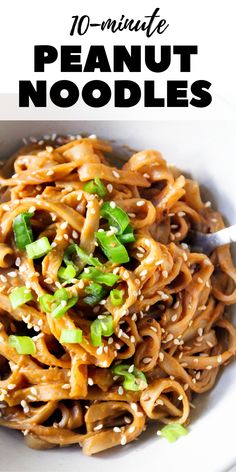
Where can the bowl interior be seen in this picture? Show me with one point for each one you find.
(206, 151)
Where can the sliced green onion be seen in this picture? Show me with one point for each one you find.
(61, 294)
(95, 293)
(96, 333)
(107, 325)
(112, 248)
(127, 236)
(116, 216)
(99, 328)
(173, 431)
(38, 248)
(74, 249)
(22, 344)
(58, 304)
(67, 273)
(19, 296)
(62, 308)
(71, 336)
(46, 302)
(96, 186)
(96, 275)
(116, 297)
(134, 380)
(22, 230)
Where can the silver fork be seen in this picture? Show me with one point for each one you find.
(206, 243)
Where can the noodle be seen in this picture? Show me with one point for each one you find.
(169, 329)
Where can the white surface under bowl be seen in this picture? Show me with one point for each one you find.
(207, 151)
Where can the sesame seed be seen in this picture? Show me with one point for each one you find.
(32, 209)
(66, 386)
(147, 176)
(5, 207)
(140, 203)
(209, 367)
(169, 337)
(159, 433)
(11, 386)
(165, 274)
(161, 356)
(120, 390)
(219, 360)
(181, 213)
(174, 317)
(132, 339)
(132, 215)
(90, 381)
(25, 406)
(180, 397)
(12, 274)
(134, 406)
(98, 427)
(153, 328)
(116, 174)
(146, 360)
(123, 440)
(131, 429)
(99, 350)
(207, 262)
(159, 402)
(33, 390)
(17, 261)
(185, 387)
(64, 225)
(3, 278)
(110, 188)
(116, 429)
(200, 331)
(184, 246)
(143, 273)
(207, 204)
(50, 172)
(200, 281)
(112, 205)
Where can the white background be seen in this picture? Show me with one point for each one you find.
(208, 24)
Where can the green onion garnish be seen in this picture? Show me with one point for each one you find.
(71, 336)
(99, 328)
(58, 304)
(95, 293)
(96, 275)
(116, 216)
(112, 248)
(75, 250)
(96, 186)
(22, 230)
(67, 273)
(19, 296)
(63, 307)
(38, 248)
(22, 344)
(134, 380)
(116, 297)
(173, 431)
(127, 236)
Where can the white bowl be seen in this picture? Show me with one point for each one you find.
(206, 150)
